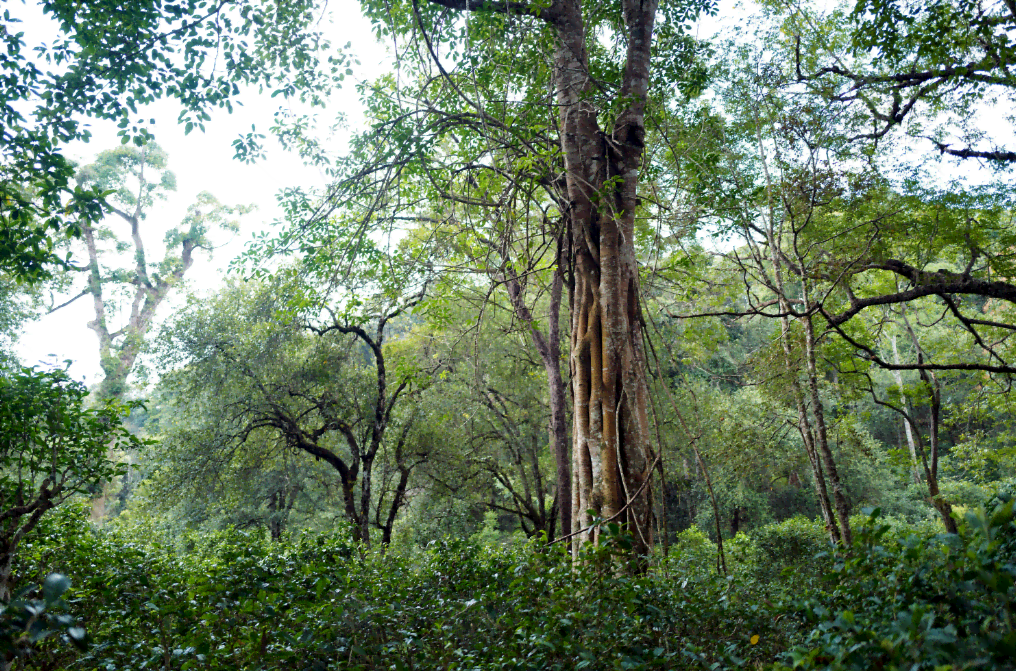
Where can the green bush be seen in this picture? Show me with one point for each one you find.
(236, 601)
(940, 601)
(788, 546)
(34, 614)
(314, 602)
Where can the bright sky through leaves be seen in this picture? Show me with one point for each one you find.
(204, 162)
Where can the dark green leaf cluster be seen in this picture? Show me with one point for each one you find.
(239, 602)
(51, 443)
(936, 602)
(27, 619)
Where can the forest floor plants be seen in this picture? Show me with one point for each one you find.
(941, 602)
(235, 600)
(239, 601)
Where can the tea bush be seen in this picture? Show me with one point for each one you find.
(315, 601)
(938, 601)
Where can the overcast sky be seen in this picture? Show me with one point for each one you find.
(202, 162)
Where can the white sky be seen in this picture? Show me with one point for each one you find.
(202, 162)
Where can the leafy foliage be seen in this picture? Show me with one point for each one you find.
(855, 328)
(110, 59)
(236, 601)
(919, 603)
(25, 621)
(51, 448)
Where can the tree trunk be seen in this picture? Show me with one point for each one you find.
(349, 499)
(822, 442)
(274, 516)
(811, 435)
(610, 448)
(808, 438)
(803, 421)
(117, 361)
(397, 502)
(942, 505)
(6, 566)
(898, 376)
(558, 409)
(366, 482)
(549, 348)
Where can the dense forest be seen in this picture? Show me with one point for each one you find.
(609, 345)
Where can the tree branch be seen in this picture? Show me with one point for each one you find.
(548, 14)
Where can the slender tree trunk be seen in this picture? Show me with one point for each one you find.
(399, 497)
(721, 555)
(365, 495)
(549, 348)
(898, 376)
(6, 568)
(558, 407)
(774, 242)
(941, 504)
(821, 434)
(274, 519)
(397, 501)
(808, 436)
(803, 421)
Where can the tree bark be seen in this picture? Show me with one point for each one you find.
(941, 504)
(898, 376)
(812, 428)
(822, 435)
(804, 425)
(117, 361)
(610, 446)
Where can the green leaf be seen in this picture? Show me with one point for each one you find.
(54, 586)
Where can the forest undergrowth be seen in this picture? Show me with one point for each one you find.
(903, 597)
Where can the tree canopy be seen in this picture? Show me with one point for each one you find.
(109, 60)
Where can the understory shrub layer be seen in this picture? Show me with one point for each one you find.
(235, 601)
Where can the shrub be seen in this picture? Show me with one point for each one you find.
(314, 602)
(926, 602)
(788, 546)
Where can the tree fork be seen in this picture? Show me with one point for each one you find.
(611, 442)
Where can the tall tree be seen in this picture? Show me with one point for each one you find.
(135, 180)
(525, 109)
(106, 61)
(138, 179)
(906, 77)
(832, 231)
